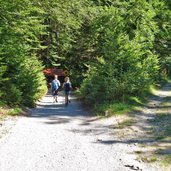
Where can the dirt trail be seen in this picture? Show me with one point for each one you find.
(66, 138)
(142, 131)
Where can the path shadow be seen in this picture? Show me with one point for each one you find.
(71, 110)
(61, 114)
(155, 137)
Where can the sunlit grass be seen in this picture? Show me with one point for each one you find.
(126, 123)
(166, 160)
(153, 89)
(166, 101)
(162, 123)
(132, 103)
(3, 113)
(149, 159)
(162, 131)
(136, 100)
(9, 112)
(113, 109)
(14, 112)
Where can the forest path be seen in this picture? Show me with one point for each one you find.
(56, 137)
(149, 129)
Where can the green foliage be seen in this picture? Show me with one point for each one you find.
(12, 94)
(162, 44)
(63, 20)
(127, 64)
(21, 27)
(14, 111)
(119, 48)
(2, 69)
(113, 109)
(31, 74)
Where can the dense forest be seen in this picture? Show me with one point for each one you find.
(113, 49)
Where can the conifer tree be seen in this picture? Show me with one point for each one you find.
(21, 27)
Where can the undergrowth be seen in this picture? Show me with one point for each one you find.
(6, 111)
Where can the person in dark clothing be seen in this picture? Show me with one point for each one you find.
(67, 88)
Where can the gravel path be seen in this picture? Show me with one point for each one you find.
(56, 137)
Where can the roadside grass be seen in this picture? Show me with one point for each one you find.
(5, 111)
(113, 109)
(162, 121)
(123, 109)
(149, 159)
(166, 160)
(161, 124)
(130, 103)
(15, 111)
(162, 132)
(126, 123)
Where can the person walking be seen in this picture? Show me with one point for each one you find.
(67, 88)
(55, 88)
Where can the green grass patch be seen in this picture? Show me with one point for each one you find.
(162, 120)
(1, 117)
(153, 88)
(166, 160)
(126, 123)
(137, 101)
(14, 112)
(162, 130)
(4, 111)
(113, 109)
(142, 98)
(162, 123)
(139, 152)
(149, 159)
(166, 102)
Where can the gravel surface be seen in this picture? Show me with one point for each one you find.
(56, 137)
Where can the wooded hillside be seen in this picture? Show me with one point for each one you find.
(113, 48)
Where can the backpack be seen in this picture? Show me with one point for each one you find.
(67, 86)
(55, 85)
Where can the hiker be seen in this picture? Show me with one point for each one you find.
(67, 88)
(55, 88)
